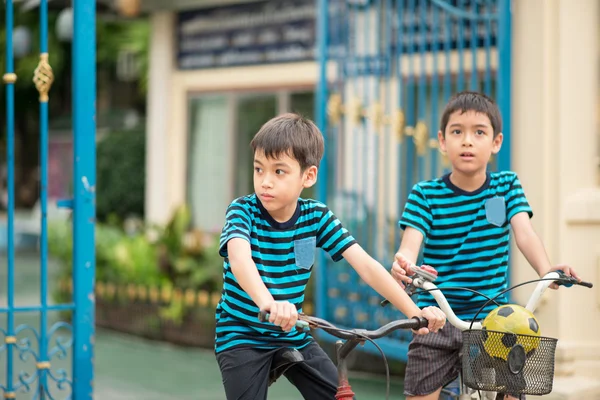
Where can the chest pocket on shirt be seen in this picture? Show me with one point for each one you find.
(495, 211)
(304, 249)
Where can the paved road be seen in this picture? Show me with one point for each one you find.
(127, 367)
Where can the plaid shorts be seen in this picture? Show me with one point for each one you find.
(433, 361)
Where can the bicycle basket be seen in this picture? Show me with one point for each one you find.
(507, 362)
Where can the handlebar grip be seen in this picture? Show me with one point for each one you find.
(263, 316)
(569, 281)
(420, 322)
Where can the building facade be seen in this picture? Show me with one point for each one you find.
(206, 100)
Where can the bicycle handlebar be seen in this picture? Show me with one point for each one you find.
(558, 277)
(305, 322)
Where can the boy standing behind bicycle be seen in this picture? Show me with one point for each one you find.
(463, 221)
(268, 243)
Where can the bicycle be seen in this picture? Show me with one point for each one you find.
(286, 358)
(486, 376)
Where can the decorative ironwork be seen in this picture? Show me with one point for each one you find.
(30, 345)
(43, 77)
(397, 63)
(27, 341)
(9, 78)
(10, 340)
(377, 116)
(335, 108)
(420, 135)
(43, 365)
(62, 343)
(398, 124)
(355, 111)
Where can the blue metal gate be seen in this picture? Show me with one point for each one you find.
(387, 67)
(54, 359)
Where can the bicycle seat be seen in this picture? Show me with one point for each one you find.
(282, 361)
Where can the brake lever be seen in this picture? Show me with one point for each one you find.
(428, 276)
(410, 288)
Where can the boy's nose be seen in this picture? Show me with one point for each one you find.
(266, 183)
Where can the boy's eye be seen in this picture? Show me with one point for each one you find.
(279, 172)
(257, 169)
(456, 131)
(480, 132)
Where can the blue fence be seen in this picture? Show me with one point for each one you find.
(387, 67)
(54, 359)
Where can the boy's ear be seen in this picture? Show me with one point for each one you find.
(310, 176)
(442, 141)
(497, 144)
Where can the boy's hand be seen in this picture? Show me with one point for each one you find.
(283, 314)
(436, 318)
(567, 270)
(401, 269)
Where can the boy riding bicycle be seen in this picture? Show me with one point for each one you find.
(463, 221)
(268, 244)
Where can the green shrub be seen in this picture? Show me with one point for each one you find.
(168, 257)
(121, 177)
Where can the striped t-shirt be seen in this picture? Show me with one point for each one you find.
(284, 255)
(466, 237)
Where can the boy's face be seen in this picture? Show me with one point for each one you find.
(469, 142)
(278, 183)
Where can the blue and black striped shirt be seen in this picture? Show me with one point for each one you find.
(466, 236)
(284, 255)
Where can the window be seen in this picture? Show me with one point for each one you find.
(219, 166)
(252, 112)
(209, 162)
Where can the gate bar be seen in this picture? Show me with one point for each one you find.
(84, 176)
(43, 350)
(435, 91)
(24, 309)
(9, 80)
(504, 91)
(321, 117)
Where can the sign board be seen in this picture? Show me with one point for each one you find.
(279, 31)
(254, 33)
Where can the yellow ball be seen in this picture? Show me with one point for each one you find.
(508, 326)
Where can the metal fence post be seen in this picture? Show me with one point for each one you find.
(504, 78)
(320, 112)
(84, 158)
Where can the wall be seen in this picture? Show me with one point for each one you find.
(168, 120)
(158, 115)
(555, 148)
(555, 151)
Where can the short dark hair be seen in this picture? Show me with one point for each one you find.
(293, 135)
(472, 101)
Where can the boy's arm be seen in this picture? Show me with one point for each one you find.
(533, 249)
(244, 269)
(407, 255)
(377, 277)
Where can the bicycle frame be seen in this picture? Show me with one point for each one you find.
(353, 337)
(343, 349)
